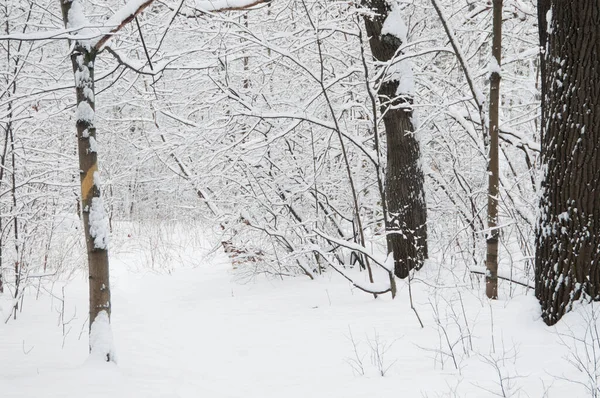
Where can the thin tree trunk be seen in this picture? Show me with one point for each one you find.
(13, 190)
(359, 226)
(491, 279)
(406, 228)
(11, 90)
(5, 149)
(94, 217)
(568, 234)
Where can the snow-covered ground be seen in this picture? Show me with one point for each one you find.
(188, 328)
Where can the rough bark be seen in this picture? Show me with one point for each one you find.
(568, 233)
(491, 279)
(405, 197)
(83, 60)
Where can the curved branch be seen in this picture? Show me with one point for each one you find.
(355, 284)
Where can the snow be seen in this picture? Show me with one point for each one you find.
(125, 12)
(402, 72)
(79, 28)
(494, 67)
(82, 75)
(98, 222)
(88, 93)
(101, 339)
(215, 5)
(97, 179)
(76, 17)
(93, 148)
(399, 70)
(85, 112)
(394, 25)
(76, 20)
(187, 329)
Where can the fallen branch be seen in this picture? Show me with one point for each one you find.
(504, 278)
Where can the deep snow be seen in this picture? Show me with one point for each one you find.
(189, 328)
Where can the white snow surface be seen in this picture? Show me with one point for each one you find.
(185, 328)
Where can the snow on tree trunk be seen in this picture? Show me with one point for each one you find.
(101, 338)
(568, 232)
(94, 218)
(405, 195)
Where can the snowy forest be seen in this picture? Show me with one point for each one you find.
(291, 198)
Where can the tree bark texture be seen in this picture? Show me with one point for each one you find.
(491, 279)
(94, 218)
(568, 233)
(405, 196)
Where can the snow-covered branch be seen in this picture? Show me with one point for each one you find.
(227, 5)
(121, 18)
(98, 35)
(352, 246)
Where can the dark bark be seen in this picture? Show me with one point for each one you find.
(568, 234)
(405, 197)
(491, 278)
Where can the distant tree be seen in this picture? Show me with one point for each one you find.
(568, 232)
(494, 176)
(406, 210)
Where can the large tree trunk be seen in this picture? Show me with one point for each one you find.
(491, 280)
(405, 197)
(94, 217)
(568, 235)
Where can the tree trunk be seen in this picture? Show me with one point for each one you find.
(405, 197)
(568, 233)
(94, 217)
(491, 279)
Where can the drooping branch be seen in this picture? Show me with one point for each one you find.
(121, 18)
(370, 288)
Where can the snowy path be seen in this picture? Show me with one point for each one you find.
(195, 333)
(278, 339)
